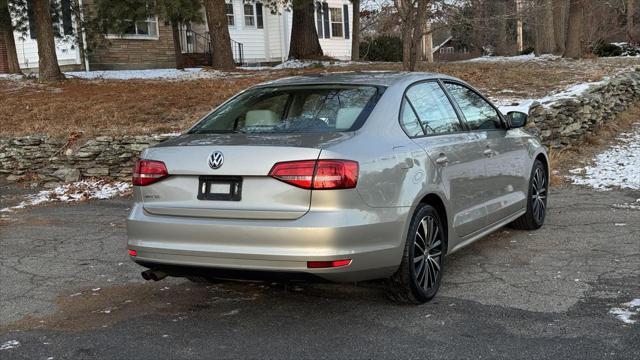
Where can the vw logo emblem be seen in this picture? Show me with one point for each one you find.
(216, 159)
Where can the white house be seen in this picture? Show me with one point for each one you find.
(258, 35)
(265, 36)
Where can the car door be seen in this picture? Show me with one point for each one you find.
(506, 180)
(428, 116)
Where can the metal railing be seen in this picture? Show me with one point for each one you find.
(192, 42)
(238, 52)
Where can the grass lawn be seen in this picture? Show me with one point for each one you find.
(98, 107)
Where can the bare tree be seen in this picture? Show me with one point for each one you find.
(559, 23)
(632, 31)
(304, 37)
(545, 39)
(573, 45)
(6, 33)
(502, 47)
(413, 15)
(48, 68)
(355, 34)
(222, 56)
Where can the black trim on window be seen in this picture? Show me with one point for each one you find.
(259, 20)
(327, 23)
(453, 105)
(503, 121)
(345, 17)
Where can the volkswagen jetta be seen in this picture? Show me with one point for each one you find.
(338, 177)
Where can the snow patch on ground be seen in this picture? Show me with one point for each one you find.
(528, 57)
(11, 77)
(7, 345)
(523, 105)
(627, 311)
(72, 192)
(299, 64)
(151, 74)
(628, 206)
(618, 166)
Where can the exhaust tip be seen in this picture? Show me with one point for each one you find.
(146, 275)
(155, 275)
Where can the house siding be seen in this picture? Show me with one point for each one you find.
(271, 44)
(67, 52)
(267, 45)
(339, 47)
(130, 54)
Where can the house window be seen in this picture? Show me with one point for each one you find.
(336, 22)
(249, 19)
(143, 28)
(230, 17)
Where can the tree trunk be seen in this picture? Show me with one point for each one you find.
(573, 45)
(48, 68)
(519, 25)
(545, 39)
(427, 43)
(355, 33)
(559, 24)
(501, 24)
(632, 32)
(304, 37)
(175, 29)
(6, 32)
(406, 47)
(221, 53)
(418, 27)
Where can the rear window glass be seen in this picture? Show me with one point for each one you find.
(292, 109)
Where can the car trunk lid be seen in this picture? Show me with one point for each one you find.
(247, 162)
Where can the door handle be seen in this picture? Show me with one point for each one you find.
(442, 160)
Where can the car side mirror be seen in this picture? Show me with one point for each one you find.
(517, 119)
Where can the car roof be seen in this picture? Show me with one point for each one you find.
(379, 78)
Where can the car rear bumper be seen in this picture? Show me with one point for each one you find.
(372, 240)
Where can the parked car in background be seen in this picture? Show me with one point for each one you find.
(338, 177)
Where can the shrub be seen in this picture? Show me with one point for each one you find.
(527, 50)
(382, 48)
(604, 49)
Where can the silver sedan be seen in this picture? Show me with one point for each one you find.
(338, 177)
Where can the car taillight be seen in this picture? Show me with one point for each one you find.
(317, 174)
(146, 172)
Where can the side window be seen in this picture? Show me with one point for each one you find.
(409, 120)
(480, 115)
(433, 109)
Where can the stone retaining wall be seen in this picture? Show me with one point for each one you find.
(566, 121)
(52, 160)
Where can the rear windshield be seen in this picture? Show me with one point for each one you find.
(292, 109)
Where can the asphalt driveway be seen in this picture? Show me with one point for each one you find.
(69, 291)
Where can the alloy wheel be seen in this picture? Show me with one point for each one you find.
(539, 195)
(427, 259)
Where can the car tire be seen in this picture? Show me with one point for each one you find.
(536, 199)
(417, 280)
